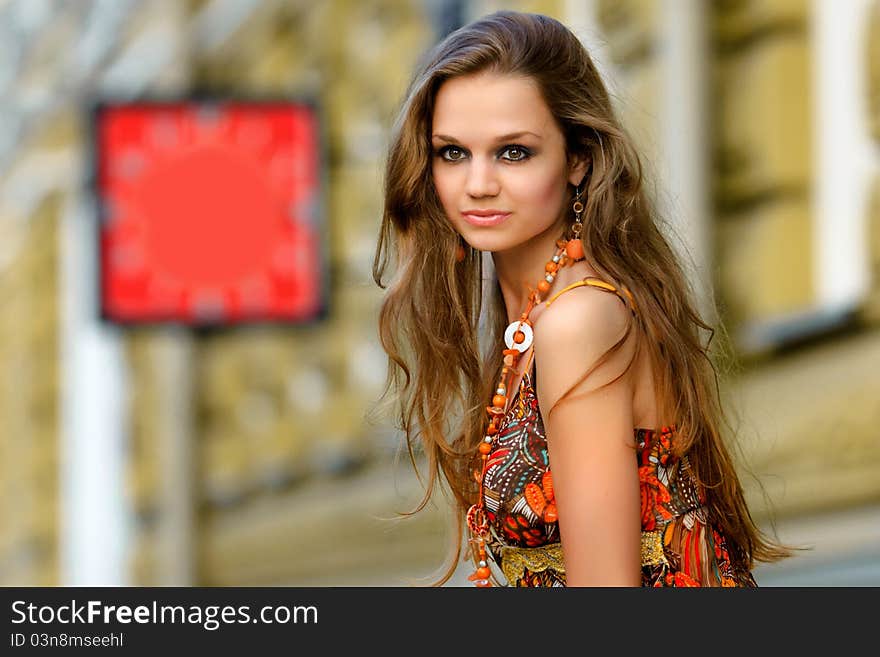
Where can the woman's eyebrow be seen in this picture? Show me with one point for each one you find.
(507, 137)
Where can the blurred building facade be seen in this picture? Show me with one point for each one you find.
(250, 457)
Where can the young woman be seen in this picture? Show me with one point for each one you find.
(574, 416)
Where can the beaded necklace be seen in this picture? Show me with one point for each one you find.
(518, 338)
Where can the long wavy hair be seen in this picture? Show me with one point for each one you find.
(442, 344)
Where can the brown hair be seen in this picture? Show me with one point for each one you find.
(430, 319)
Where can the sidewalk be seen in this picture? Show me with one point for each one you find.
(845, 550)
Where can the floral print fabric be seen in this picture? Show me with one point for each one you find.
(679, 545)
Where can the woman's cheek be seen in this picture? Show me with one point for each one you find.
(537, 191)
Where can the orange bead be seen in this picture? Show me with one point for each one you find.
(551, 267)
(483, 573)
(459, 253)
(485, 448)
(543, 287)
(479, 582)
(575, 249)
(492, 430)
(519, 337)
(499, 401)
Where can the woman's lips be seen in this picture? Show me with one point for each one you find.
(492, 218)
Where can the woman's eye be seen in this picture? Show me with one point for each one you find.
(451, 153)
(515, 153)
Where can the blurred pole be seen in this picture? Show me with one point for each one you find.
(155, 61)
(173, 357)
(685, 139)
(844, 152)
(681, 52)
(93, 515)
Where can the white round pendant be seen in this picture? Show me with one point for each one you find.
(512, 329)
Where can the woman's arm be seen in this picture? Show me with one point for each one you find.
(590, 436)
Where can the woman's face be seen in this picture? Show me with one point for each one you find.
(499, 163)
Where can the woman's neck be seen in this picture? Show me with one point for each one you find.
(520, 269)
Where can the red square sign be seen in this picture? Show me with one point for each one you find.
(210, 212)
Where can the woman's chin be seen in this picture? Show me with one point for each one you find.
(490, 245)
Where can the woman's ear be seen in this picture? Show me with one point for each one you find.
(577, 168)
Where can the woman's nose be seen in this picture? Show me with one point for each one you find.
(481, 179)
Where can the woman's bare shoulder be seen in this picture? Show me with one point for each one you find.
(574, 333)
(584, 316)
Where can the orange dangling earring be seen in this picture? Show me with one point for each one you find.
(574, 248)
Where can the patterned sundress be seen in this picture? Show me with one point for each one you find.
(679, 547)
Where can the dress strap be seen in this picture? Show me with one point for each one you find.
(628, 299)
(528, 368)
